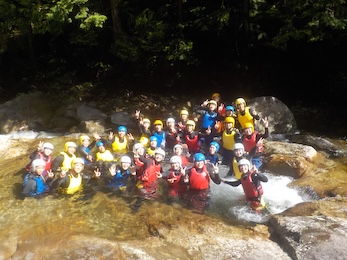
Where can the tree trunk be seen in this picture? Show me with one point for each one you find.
(116, 23)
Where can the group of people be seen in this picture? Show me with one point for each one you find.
(195, 143)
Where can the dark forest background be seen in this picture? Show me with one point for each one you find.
(294, 50)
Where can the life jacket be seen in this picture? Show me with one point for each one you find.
(171, 139)
(48, 160)
(87, 150)
(119, 146)
(208, 120)
(150, 174)
(41, 186)
(192, 143)
(249, 143)
(184, 160)
(228, 140)
(175, 188)
(74, 185)
(120, 179)
(139, 167)
(105, 156)
(251, 191)
(199, 180)
(246, 118)
(237, 172)
(67, 162)
(151, 151)
(160, 137)
(213, 158)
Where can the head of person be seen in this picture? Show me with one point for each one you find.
(175, 162)
(213, 148)
(212, 105)
(146, 123)
(84, 140)
(248, 129)
(78, 165)
(244, 165)
(178, 149)
(70, 147)
(158, 125)
(38, 166)
(240, 104)
(159, 155)
(125, 162)
(122, 131)
(216, 97)
(153, 141)
(199, 160)
(100, 146)
(170, 122)
(138, 149)
(190, 126)
(229, 110)
(144, 141)
(229, 122)
(238, 149)
(184, 114)
(47, 148)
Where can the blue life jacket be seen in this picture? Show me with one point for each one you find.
(41, 186)
(208, 120)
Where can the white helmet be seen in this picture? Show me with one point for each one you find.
(244, 162)
(78, 160)
(238, 146)
(37, 162)
(47, 146)
(177, 146)
(137, 146)
(125, 159)
(170, 120)
(176, 159)
(160, 151)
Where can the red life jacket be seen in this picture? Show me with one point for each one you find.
(199, 180)
(175, 188)
(252, 193)
(193, 144)
(48, 160)
(249, 143)
(139, 167)
(150, 174)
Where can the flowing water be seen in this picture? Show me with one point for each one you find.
(50, 219)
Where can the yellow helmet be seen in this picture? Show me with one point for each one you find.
(229, 119)
(84, 137)
(215, 95)
(184, 112)
(158, 122)
(248, 125)
(191, 122)
(239, 101)
(69, 144)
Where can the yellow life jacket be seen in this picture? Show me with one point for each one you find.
(150, 151)
(120, 147)
(67, 162)
(105, 156)
(228, 140)
(237, 172)
(246, 118)
(75, 184)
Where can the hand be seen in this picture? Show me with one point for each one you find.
(97, 172)
(215, 168)
(112, 169)
(50, 173)
(132, 170)
(63, 173)
(159, 175)
(39, 146)
(137, 113)
(265, 122)
(260, 142)
(110, 136)
(96, 136)
(183, 170)
(130, 136)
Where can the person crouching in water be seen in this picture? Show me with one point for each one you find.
(198, 180)
(176, 190)
(121, 177)
(150, 179)
(251, 183)
(71, 181)
(34, 181)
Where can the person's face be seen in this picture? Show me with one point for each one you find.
(199, 164)
(39, 169)
(153, 143)
(228, 113)
(158, 127)
(47, 151)
(125, 165)
(86, 142)
(212, 106)
(248, 131)
(238, 152)
(175, 166)
(140, 151)
(184, 117)
(228, 125)
(146, 125)
(241, 106)
(71, 150)
(190, 128)
(78, 167)
(171, 125)
(243, 168)
(121, 134)
(102, 148)
(212, 149)
(178, 150)
(158, 157)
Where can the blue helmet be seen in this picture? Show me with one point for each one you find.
(229, 108)
(199, 157)
(215, 144)
(99, 143)
(122, 128)
(153, 138)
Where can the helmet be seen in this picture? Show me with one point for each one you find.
(244, 162)
(215, 144)
(84, 137)
(215, 95)
(176, 159)
(69, 144)
(160, 151)
(137, 146)
(229, 119)
(47, 146)
(153, 138)
(191, 122)
(99, 143)
(125, 159)
(170, 120)
(212, 102)
(248, 125)
(37, 162)
(122, 128)
(184, 112)
(199, 157)
(158, 122)
(238, 146)
(239, 101)
(78, 160)
(146, 120)
(229, 108)
(177, 146)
